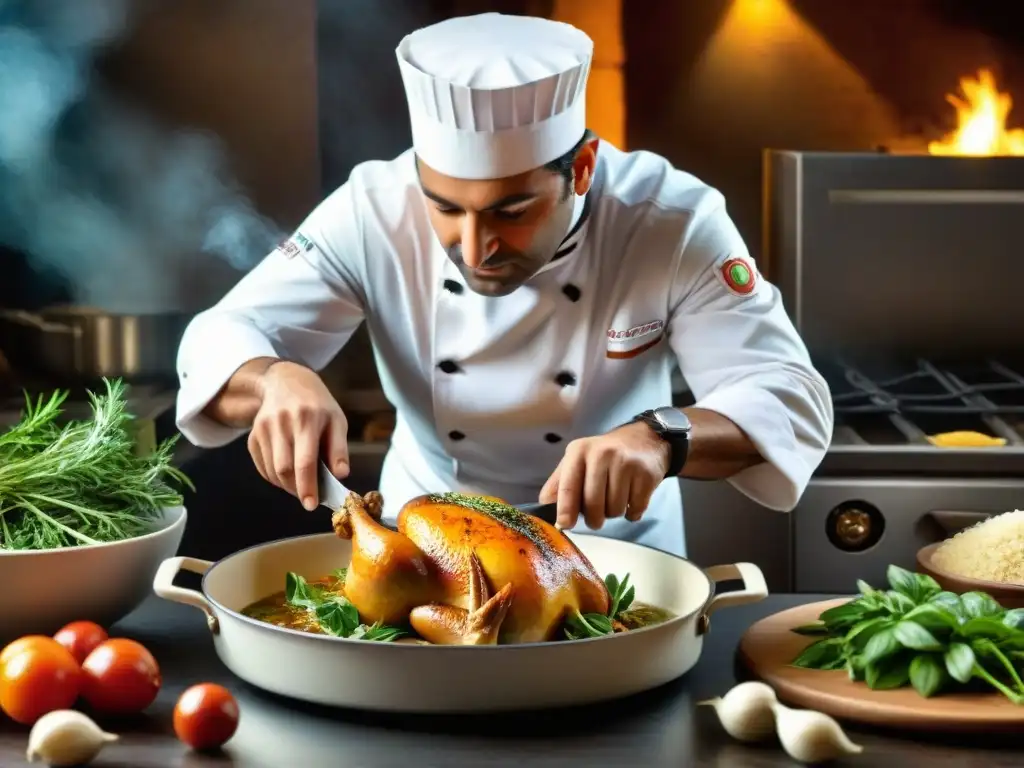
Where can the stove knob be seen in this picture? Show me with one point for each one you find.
(854, 526)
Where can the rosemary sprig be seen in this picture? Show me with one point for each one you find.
(81, 482)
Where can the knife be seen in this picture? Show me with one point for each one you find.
(546, 512)
(331, 490)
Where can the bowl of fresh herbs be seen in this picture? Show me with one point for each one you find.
(86, 517)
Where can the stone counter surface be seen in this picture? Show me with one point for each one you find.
(659, 728)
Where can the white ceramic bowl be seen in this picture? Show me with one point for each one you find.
(41, 591)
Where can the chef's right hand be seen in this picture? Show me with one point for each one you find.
(298, 419)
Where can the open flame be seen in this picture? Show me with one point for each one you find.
(981, 121)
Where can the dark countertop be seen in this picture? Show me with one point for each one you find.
(660, 728)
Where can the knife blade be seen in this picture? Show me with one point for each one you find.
(331, 490)
(546, 512)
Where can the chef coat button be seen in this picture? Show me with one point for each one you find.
(572, 292)
(456, 435)
(565, 379)
(551, 437)
(448, 366)
(453, 286)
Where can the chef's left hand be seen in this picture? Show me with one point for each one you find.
(607, 476)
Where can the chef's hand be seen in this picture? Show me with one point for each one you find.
(297, 417)
(607, 476)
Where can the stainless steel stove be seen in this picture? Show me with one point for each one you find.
(900, 274)
(885, 489)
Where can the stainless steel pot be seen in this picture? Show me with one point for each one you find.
(84, 343)
(421, 678)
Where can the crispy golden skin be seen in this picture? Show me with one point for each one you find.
(465, 570)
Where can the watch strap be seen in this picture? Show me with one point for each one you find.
(678, 440)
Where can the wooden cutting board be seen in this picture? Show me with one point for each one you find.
(768, 647)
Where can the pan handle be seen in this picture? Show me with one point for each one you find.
(22, 317)
(163, 586)
(754, 590)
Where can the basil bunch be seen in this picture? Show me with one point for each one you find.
(334, 613)
(916, 633)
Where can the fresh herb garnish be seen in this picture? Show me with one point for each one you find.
(915, 633)
(82, 482)
(583, 625)
(335, 614)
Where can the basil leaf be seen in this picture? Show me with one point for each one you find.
(912, 635)
(926, 587)
(579, 625)
(612, 582)
(898, 603)
(881, 645)
(620, 592)
(927, 674)
(886, 674)
(901, 581)
(960, 662)
(820, 654)
(380, 633)
(843, 615)
(979, 605)
(859, 635)
(817, 628)
(987, 626)
(1014, 618)
(338, 617)
(951, 602)
(300, 593)
(866, 589)
(932, 617)
(626, 601)
(855, 668)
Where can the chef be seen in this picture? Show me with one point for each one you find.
(527, 289)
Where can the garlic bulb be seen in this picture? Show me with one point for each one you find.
(811, 737)
(66, 737)
(746, 711)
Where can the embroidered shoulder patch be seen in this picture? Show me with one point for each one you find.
(738, 275)
(294, 245)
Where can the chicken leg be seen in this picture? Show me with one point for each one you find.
(388, 575)
(479, 625)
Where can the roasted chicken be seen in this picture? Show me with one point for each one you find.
(465, 570)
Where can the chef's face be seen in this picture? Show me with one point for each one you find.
(500, 232)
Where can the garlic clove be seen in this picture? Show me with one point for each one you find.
(745, 712)
(66, 737)
(811, 737)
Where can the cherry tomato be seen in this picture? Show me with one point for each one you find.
(37, 676)
(81, 637)
(121, 677)
(205, 716)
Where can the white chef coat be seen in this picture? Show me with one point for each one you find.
(489, 391)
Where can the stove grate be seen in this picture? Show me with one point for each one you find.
(929, 398)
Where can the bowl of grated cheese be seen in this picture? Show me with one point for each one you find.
(986, 557)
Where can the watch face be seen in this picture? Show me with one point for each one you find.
(672, 420)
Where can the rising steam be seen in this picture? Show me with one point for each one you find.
(125, 209)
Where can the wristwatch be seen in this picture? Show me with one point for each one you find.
(673, 427)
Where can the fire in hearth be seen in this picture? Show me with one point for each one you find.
(981, 115)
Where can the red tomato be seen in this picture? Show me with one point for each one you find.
(37, 675)
(121, 677)
(205, 716)
(81, 637)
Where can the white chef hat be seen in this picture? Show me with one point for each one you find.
(495, 95)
